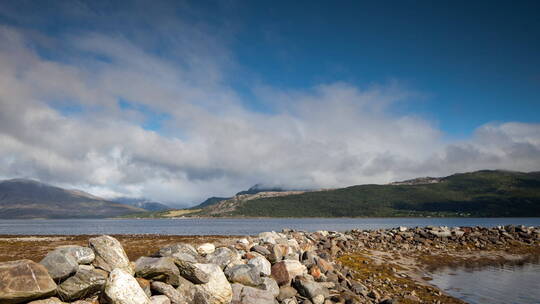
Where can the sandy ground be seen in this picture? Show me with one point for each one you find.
(16, 247)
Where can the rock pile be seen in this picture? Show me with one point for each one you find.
(290, 267)
(426, 238)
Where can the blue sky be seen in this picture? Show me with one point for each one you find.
(179, 100)
(475, 62)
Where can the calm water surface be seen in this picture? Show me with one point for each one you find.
(206, 226)
(508, 284)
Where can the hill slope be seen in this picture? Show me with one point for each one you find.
(22, 198)
(482, 193)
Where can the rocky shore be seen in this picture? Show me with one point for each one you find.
(324, 267)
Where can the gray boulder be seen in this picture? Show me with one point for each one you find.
(222, 256)
(244, 274)
(109, 254)
(83, 255)
(261, 249)
(270, 285)
(250, 295)
(60, 264)
(217, 290)
(122, 288)
(309, 288)
(286, 292)
(165, 289)
(24, 280)
(192, 272)
(180, 251)
(84, 283)
(160, 299)
(159, 269)
(263, 266)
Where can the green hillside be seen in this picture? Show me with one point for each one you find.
(482, 193)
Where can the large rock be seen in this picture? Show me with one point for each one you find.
(109, 254)
(165, 289)
(159, 269)
(192, 272)
(83, 255)
(180, 251)
(222, 256)
(270, 285)
(60, 264)
(206, 248)
(160, 299)
(309, 288)
(218, 289)
(263, 266)
(250, 295)
(244, 274)
(122, 288)
(283, 272)
(84, 283)
(24, 280)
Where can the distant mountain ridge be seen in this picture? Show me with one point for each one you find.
(486, 193)
(142, 203)
(257, 188)
(24, 198)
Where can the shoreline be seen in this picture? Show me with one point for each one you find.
(392, 263)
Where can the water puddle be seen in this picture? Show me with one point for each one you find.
(507, 284)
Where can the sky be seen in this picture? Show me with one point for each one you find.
(178, 101)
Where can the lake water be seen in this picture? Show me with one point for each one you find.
(507, 284)
(224, 226)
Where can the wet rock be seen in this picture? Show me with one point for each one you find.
(245, 274)
(109, 254)
(24, 280)
(283, 272)
(180, 251)
(263, 265)
(122, 288)
(159, 269)
(218, 290)
(60, 264)
(192, 272)
(83, 255)
(84, 283)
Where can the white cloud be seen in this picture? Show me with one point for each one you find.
(331, 135)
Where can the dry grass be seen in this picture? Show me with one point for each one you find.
(36, 247)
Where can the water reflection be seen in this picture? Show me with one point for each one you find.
(505, 284)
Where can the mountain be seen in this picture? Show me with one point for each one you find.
(23, 198)
(210, 201)
(260, 188)
(483, 193)
(257, 188)
(142, 203)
